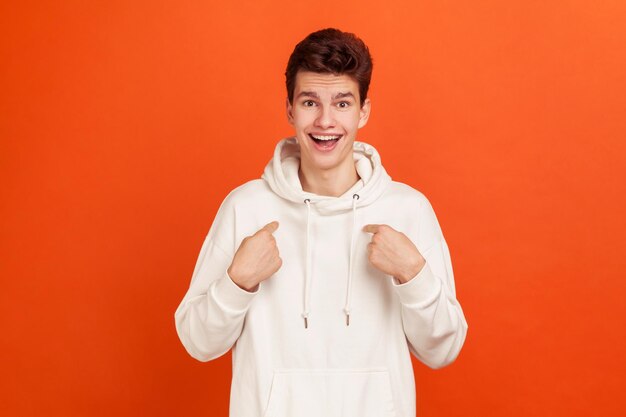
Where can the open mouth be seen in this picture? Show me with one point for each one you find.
(325, 142)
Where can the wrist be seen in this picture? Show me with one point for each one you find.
(411, 272)
(249, 287)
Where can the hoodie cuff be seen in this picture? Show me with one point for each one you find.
(231, 295)
(421, 287)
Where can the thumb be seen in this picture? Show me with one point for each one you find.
(271, 227)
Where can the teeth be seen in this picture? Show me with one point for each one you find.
(325, 137)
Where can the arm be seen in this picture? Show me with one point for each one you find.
(432, 317)
(210, 317)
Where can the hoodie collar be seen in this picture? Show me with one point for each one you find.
(281, 173)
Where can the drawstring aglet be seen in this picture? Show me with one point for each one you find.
(347, 319)
(306, 323)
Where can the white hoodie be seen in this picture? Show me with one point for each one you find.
(332, 367)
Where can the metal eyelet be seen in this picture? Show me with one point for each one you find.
(355, 195)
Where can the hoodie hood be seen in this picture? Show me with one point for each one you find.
(281, 173)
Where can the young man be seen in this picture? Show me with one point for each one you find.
(324, 275)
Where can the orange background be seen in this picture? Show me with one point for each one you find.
(124, 124)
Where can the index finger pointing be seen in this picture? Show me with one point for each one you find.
(271, 227)
(371, 228)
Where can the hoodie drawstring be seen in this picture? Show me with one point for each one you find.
(307, 280)
(307, 277)
(346, 309)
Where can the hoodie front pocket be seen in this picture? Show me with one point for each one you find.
(330, 393)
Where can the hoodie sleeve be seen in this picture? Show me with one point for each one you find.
(210, 317)
(432, 317)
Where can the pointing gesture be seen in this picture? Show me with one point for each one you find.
(256, 259)
(393, 253)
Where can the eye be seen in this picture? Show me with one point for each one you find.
(308, 103)
(343, 104)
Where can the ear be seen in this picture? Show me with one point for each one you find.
(289, 109)
(365, 113)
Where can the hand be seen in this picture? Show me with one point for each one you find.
(393, 253)
(256, 258)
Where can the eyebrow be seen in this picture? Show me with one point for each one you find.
(315, 95)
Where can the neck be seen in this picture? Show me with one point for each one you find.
(328, 182)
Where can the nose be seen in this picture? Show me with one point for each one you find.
(325, 118)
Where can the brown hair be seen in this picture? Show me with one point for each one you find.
(331, 51)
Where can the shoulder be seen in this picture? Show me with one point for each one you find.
(420, 220)
(242, 199)
(407, 195)
(251, 192)
(253, 188)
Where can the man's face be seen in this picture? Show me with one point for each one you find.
(326, 114)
